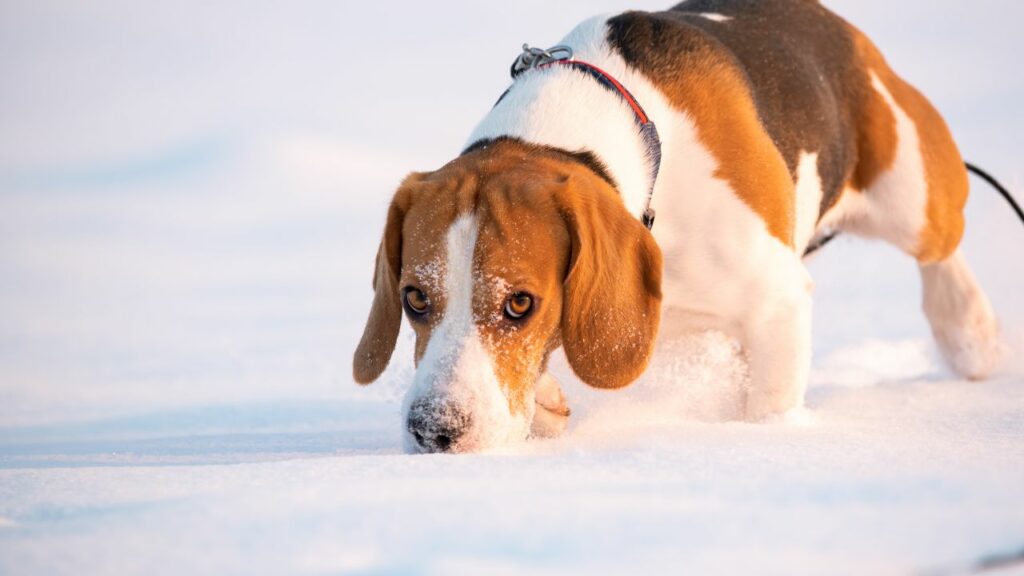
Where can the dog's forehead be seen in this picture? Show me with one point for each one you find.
(521, 253)
(518, 231)
(523, 247)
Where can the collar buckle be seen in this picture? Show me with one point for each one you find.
(536, 57)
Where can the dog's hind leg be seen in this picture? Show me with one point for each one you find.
(961, 317)
(910, 189)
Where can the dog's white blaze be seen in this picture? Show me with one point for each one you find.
(894, 207)
(456, 365)
(808, 200)
(458, 278)
(715, 16)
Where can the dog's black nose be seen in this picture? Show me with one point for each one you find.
(437, 426)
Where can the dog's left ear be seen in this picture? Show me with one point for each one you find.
(612, 302)
(385, 321)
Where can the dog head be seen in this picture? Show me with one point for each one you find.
(496, 259)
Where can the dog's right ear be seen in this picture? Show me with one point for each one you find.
(382, 327)
(612, 297)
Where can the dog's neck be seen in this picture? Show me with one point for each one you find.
(562, 108)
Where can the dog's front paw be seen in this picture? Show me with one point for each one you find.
(552, 414)
(549, 423)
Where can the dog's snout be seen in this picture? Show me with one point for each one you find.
(437, 426)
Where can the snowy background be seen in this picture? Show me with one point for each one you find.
(190, 199)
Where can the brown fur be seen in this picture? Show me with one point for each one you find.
(876, 123)
(877, 140)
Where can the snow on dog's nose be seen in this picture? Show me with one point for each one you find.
(456, 403)
(437, 424)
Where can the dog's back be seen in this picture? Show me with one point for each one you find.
(814, 80)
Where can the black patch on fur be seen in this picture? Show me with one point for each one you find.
(798, 59)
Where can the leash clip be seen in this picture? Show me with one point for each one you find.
(536, 57)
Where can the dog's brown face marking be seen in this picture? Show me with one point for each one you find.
(518, 262)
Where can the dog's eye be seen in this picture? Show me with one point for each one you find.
(518, 305)
(416, 301)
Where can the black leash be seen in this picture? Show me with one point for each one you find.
(999, 187)
(821, 242)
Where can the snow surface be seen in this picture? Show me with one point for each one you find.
(190, 198)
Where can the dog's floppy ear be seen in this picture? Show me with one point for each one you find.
(385, 321)
(612, 303)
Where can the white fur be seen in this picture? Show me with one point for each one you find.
(725, 271)
(893, 208)
(961, 317)
(455, 366)
(715, 16)
(808, 200)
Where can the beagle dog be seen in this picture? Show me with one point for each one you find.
(777, 124)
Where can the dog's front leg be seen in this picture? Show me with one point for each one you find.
(552, 413)
(777, 340)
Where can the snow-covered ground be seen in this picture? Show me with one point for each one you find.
(190, 199)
